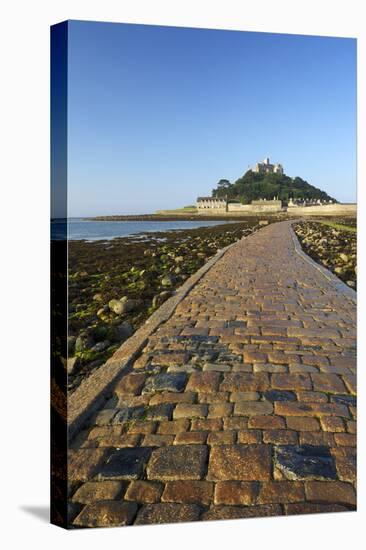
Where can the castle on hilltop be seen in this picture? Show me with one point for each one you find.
(266, 167)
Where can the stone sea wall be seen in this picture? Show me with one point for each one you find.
(323, 210)
(251, 209)
(255, 208)
(237, 213)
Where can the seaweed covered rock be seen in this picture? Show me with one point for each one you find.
(168, 280)
(124, 305)
(84, 342)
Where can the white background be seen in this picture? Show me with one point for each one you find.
(24, 310)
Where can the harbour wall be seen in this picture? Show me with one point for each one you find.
(323, 210)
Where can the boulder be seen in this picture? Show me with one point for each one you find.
(101, 346)
(130, 304)
(168, 280)
(124, 305)
(72, 365)
(83, 342)
(100, 333)
(116, 306)
(124, 330)
(102, 311)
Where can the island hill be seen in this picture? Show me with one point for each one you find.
(267, 181)
(263, 189)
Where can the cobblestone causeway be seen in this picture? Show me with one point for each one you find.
(243, 404)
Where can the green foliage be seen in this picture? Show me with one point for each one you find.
(223, 184)
(253, 186)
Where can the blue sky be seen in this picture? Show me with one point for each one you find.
(157, 115)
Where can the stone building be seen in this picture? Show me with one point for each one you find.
(295, 203)
(211, 203)
(261, 205)
(266, 167)
(208, 205)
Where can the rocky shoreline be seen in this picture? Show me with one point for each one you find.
(275, 216)
(333, 245)
(115, 285)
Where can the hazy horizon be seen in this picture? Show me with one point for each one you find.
(158, 115)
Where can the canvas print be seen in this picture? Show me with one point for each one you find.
(204, 274)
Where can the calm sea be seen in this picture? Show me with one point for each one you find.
(79, 228)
